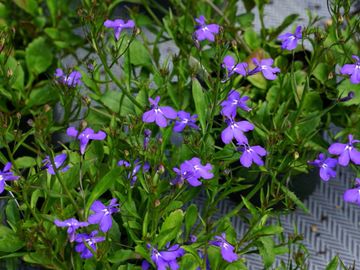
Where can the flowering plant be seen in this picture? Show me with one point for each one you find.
(149, 143)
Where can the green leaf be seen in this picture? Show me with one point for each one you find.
(246, 19)
(333, 265)
(25, 162)
(17, 78)
(122, 255)
(102, 186)
(38, 55)
(9, 241)
(30, 6)
(312, 102)
(118, 103)
(238, 265)
(12, 214)
(200, 103)
(191, 216)
(139, 55)
(41, 96)
(321, 72)
(170, 228)
(266, 249)
(252, 39)
(258, 80)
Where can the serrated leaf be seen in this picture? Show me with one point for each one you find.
(170, 228)
(294, 198)
(38, 55)
(9, 241)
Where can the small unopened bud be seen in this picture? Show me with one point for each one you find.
(47, 107)
(296, 155)
(330, 76)
(234, 44)
(137, 31)
(340, 19)
(30, 122)
(161, 169)
(83, 124)
(126, 153)
(157, 203)
(349, 96)
(10, 73)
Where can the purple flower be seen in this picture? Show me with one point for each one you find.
(325, 165)
(229, 64)
(353, 195)
(236, 130)
(353, 70)
(265, 66)
(185, 119)
(205, 31)
(227, 250)
(147, 135)
(118, 26)
(252, 154)
(234, 101)
(71, 80)
(191, 171)
(85, 136)
(289, 40)
(58, 161)
(6, 175)
(102, 214)
(91, 239)
(72, 224)
(132, 176)
(145, 265)
(346, 152)
(166, 259)
(158, 114)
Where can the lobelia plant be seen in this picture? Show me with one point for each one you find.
(239, 112)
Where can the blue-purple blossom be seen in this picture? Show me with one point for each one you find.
(71, 80)
(85, 136)
(346, 152)
(232, 67)
(353, 195)
(158, 114)
(132, 176)
(102, 214)
(183, 120)
(326, 166)
(227, 250)
(236, 130)
(191, 171)
(58, 161)
(234, 101)
(91, 240)
(252, 154)
(353, 70)
(118, 25)
(6, 175)
(265, 67)
(73, 224)
(290, 40)
(205, 31)
(166, 259)
(147, 135)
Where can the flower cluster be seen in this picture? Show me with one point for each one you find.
(191, 171)
(236, 129)
(346, 152)
(101, 216)
(134, 169)
(71, 80)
